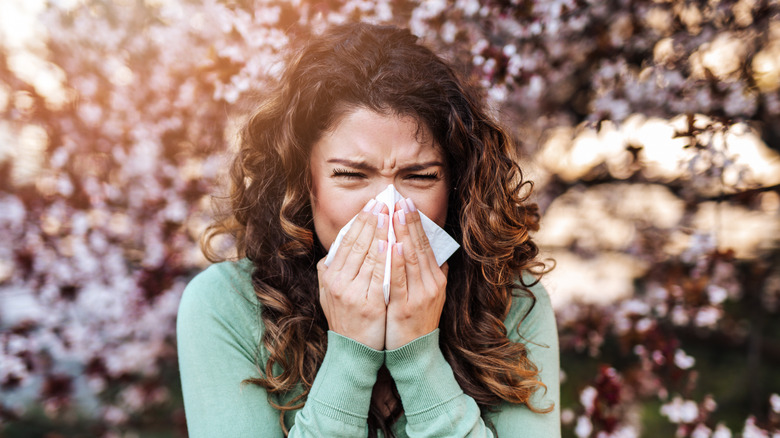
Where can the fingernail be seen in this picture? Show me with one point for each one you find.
(369, 205)
(402, 217)
(377, 208)
(404, 206)
(400, 248)
(382, 246)
(411, 204)
(381, 221)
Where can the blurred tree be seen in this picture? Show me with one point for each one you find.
(647, 124)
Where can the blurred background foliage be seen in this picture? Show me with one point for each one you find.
(650, 127)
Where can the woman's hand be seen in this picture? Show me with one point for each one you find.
(351, 287)
(417, 284)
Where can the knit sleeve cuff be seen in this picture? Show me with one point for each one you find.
(342, 388)
(424, 379)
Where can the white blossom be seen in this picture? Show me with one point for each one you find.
(584, 427)
(716, 294)
(701, 431)
(113, 184)
(708, 317)
(588, 398)
(751, 430)
(774, 401)
(680, 411)
(682, 360)
(721, 431)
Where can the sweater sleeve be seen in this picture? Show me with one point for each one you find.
(435, 405)
(218, 334)
(341, 393)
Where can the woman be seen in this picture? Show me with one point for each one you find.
(279, 343)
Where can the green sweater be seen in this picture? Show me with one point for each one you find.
(219, 330)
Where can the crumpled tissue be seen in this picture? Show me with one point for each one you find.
(443, 244)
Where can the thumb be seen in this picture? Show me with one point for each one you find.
(321, 266)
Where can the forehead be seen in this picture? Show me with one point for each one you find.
(367, 134)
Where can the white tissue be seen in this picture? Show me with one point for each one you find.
(443, 244)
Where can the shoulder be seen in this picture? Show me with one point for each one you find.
(218, 332)
(221, 299)
(531, 321)
(236, 275)
(531, 315)
(222, 283)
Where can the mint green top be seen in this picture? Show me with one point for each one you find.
(219, 330)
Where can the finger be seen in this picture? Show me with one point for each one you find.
(360, 248)
(379, 231)
(373, 270)
(382, 224)
(351, 236)
(420, 240)
(415, 223)
(323, 296)
(411, 256)
(374, 273)
(445, 269)
(398, 281)
(321, 268)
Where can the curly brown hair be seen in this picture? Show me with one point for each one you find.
(383, 69)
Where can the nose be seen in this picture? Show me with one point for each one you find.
(381, 185)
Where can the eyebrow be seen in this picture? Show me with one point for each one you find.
(362, 165)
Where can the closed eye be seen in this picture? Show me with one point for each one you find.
(347, 174)
(424, 176)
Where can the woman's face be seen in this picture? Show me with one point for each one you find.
(360, 156)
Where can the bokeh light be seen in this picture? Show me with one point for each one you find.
(650, 129)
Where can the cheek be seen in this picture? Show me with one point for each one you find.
(332, 210)
(434, 205)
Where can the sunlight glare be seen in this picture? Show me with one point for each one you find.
(32, 142)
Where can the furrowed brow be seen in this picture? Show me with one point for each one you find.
(362, 165)
(421, 166)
